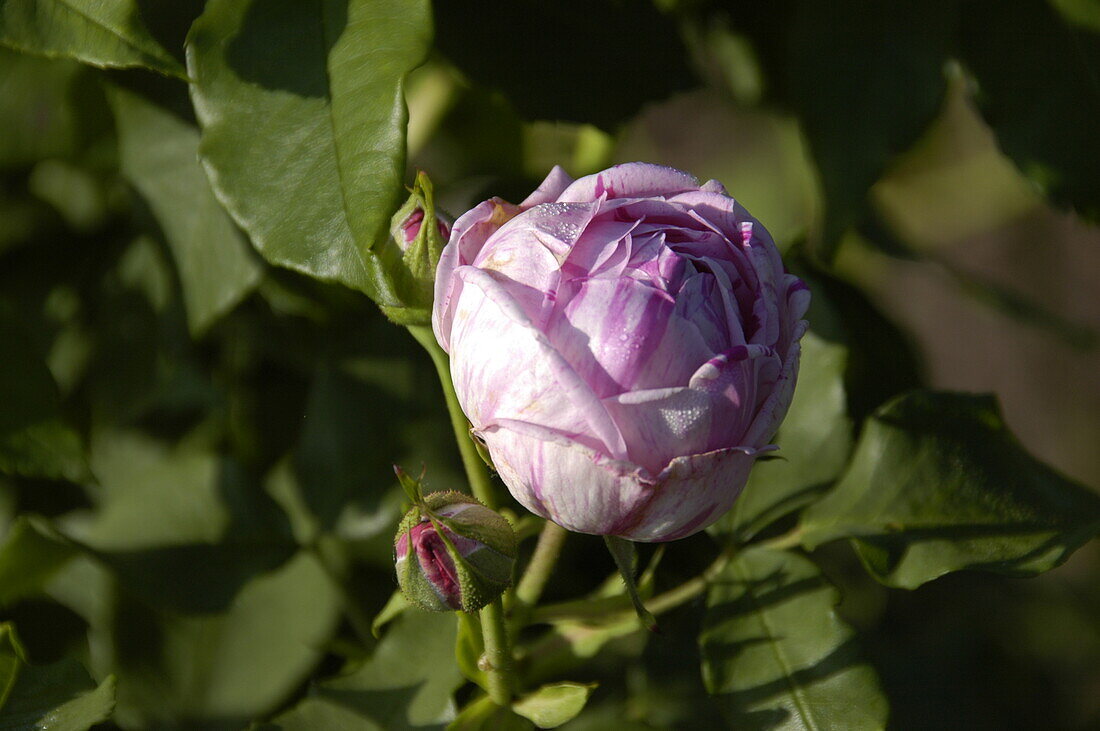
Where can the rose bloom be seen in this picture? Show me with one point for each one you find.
(625, 345)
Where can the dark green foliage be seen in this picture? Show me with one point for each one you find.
(202, 398)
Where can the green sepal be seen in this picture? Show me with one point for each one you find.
(411, 267)
(625, 556)
(482, 575)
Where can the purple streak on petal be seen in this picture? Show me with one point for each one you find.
(620, 334)
(775, 406)
(581, 489)
(504, 368)
(688, 487)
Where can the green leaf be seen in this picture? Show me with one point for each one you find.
(57, 697)
(775, 653)
(815, 440)
(303, 118)
(34, 439)
(396, 604)
(406, 684)
(866, 79)
(27, 561)
(159, 155)
(552, 705)
(408, 681)
(104, 33)
(211, 532)
(219, 670)
(1037, 87)
(939, 484)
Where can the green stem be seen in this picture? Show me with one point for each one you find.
(790, 539)
(498, 665)
(614, 608)
(476, 471)
(547, 550)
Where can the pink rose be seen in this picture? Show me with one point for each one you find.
(625, 345)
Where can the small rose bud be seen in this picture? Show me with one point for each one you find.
(453, 553)
(408, 257)
(407, 229)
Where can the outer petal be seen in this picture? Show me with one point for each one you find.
(472, 229)
(630, 180)
(660, 424)
(505, 369)
(585, 492)
(690, 494)
(775, 407)
(556, 182)
(576, 487)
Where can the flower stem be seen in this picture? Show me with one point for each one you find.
(790, 539)
(476, 471)
(497, 660)
(547, 550)
(499, 667)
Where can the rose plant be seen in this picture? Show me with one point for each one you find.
(625, 345)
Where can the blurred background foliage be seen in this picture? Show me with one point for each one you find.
(196, 494)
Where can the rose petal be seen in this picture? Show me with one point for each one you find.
(690, 494)
(470, 232)
(630, 180)
(552, 476)
(549, 190)
(503, 368)
(620, 334)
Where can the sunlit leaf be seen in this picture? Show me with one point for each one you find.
(552, 705)
(182, 529)
(775, 654)
(939, 484)
(105, 33)
(27, 561)
(304, 122)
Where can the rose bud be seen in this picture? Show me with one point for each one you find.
(408, 258)
(458, 554)
(407, 229)
(625, 345)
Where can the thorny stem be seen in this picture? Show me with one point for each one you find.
(476, 471)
